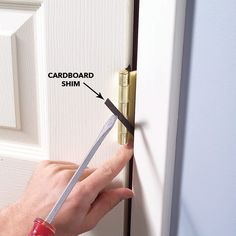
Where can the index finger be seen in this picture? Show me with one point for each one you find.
(100, 178)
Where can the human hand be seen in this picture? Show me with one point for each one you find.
(85, 206)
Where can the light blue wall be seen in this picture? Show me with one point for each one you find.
(205, 194)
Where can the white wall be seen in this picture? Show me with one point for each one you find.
(206, 144)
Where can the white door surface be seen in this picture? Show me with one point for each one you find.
(160, 43)
(41, 119)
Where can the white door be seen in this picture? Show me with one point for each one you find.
(160, 43)
(41, 119)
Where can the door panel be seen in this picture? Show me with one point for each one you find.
(55, 122)
(8, 83)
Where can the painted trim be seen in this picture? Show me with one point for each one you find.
(161, 31)
(173, 111)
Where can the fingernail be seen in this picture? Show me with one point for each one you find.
(130, 194)
(130, 144)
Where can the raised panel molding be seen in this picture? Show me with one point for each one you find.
(19, 4)
(23, 109)
(9, 99)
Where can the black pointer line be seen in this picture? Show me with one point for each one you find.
(99, 95)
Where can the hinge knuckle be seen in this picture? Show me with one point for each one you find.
(127, 89)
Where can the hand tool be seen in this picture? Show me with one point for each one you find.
(43, 227)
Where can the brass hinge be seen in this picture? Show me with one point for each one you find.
(127, 90)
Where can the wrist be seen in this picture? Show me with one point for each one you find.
(14, 221)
